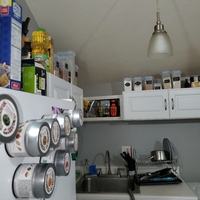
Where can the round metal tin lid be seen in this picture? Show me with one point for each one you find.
(9, 118)
(62, 161)
(44, 180)
(38, 139)
(55, 131)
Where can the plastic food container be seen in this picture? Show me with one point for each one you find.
(32, 139)
(148, 82)
(128, 84)
(166, 79)
(137, 82)
(176, 78)
(157, 86)
(9, 119)
(34, 180)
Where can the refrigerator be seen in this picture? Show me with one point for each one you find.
(30, 107)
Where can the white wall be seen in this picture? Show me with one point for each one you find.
(96, 138)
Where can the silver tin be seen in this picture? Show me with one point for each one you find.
(62, 162)
(37, 138)
(9, 118)
(44, 180)
(55, 131)
(76, 117)
(33, 180)
(72, 141)
(64, 122)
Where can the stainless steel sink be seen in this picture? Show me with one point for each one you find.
(106, 185)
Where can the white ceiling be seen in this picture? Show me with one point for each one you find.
(110, 37)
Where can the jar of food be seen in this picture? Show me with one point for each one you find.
(137, 83)
(166, 79)
(33, 180)
(148, 82)
(176, 78)
(32, 139)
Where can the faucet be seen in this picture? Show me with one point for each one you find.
(107, 160)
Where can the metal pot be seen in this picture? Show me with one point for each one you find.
(158, 155)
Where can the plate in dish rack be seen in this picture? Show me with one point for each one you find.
(167, 147)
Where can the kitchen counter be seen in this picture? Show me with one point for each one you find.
(162, 192)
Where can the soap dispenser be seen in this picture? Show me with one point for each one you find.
(86, 167)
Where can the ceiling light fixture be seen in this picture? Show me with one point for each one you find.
(160, 44)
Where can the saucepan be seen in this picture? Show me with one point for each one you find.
(158, 155)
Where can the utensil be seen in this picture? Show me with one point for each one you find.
(159, 174)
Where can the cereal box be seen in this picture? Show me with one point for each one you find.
(10, 48)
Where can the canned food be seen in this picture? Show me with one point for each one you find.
(76, 117)
(32, 139)
(62, 162)
(34, 180)
(64, 122)
(9, 118)
(72, 141)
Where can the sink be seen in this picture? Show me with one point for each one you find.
(106, 185)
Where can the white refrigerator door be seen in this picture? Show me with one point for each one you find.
(34, 107)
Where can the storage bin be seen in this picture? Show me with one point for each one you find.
(166, 79)
(148, 82)
(176, 78)
(137, 82)
(128, 84)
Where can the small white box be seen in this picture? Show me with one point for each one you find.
(128, 84)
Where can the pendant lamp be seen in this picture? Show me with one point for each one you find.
(160, 44)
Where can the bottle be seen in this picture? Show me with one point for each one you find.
(40, 42)
(27, 50)
(113, 108)
(51, 55)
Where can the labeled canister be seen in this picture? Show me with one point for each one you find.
(9, 118)
(62, 162)
(55, 131)
(32, 139)
(33, 180)
(72, 141)
(75, 116)
(64, 122)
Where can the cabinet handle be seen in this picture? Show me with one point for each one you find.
(73, 99)
(172, 100)
(165, 104)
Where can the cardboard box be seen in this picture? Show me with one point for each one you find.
(33, 77)
(10, 48)
(43, 60)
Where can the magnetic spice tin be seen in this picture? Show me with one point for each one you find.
(9, 118)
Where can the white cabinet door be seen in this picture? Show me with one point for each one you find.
(184, 103)
(61, 89)
(77, 95)
(145, 105)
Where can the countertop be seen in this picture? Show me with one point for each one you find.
(162, 192)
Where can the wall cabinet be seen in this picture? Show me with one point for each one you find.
(61, 89)
(162, 104)
(94, 104)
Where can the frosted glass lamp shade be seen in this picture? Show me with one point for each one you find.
(160, 45)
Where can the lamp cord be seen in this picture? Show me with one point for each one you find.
(157, 5)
